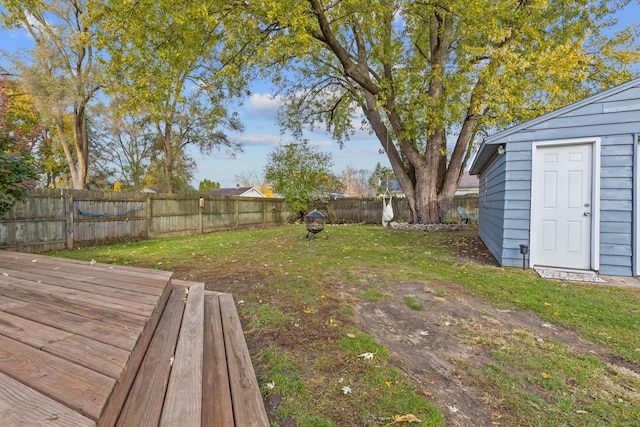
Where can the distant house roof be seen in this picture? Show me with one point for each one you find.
(468, 184)
(237, 191)
(153, 190)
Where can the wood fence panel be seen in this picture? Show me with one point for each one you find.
(53, 219)
(357, 209)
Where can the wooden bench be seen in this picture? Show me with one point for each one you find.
(196, 370)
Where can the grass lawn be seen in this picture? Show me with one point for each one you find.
(317, 367)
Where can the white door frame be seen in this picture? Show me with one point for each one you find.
(595, 143)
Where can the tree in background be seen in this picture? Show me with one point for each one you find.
(206, 185)
(300, 174)
(428, 77)
(164, 56)
(126, 140)
(381, 179)
(61, 77)
(357, 182)
(17, 172)
(35, 134)
(179, 181)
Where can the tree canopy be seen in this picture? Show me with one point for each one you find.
(164, 57)
(61, 75)
(426, 78)
(17, 172)
(299, 173)
(430, 76)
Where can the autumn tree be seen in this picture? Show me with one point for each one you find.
(164, 57)
(429, 77)
(61, 75)
(17, 171)
(357, 182)
(126, 140)
(299, 173)
(206, 185)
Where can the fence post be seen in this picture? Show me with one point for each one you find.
(68, 220)
(149, 216)
(264, 212)
(237, 213)
(200, 220)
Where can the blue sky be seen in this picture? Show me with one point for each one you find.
(261, 135)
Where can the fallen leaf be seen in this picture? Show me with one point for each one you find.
(408, 418)
(388, 383)
(346, 389)
(547, 304)
(368, 356)
(352, 336)
(307, 310)
(271, 385)
(452, 408)
(545, 375)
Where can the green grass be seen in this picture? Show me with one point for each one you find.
(306, 342)
(412, 303)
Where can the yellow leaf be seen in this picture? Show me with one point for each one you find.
(545, 375)
(352, 336)
(547, 304)
(408, 418)
(388, 383)
(307, 310)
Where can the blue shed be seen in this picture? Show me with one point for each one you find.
(567, 185)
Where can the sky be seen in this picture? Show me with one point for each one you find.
(262, 136)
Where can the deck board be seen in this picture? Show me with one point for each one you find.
(90, 344)
(183, 404)
(21, 405)
(95, 355)
(87, 309)
(74, 386)
(215, 380)
(71, 337)
(81, 293)
(148, 391)
(248, 406)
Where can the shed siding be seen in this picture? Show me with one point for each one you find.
(491, 207)
(505, 220)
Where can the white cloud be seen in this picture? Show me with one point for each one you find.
(263, 106)
(261, 140)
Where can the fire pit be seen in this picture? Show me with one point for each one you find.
(314, 222)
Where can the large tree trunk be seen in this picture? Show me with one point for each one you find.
(165, 136)
(81, 139)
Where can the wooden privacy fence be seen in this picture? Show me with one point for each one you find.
(57, 219)
(54, 219)
(369, 210)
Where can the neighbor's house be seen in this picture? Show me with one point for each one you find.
(567, 185)
(469, 184)
(236, 191)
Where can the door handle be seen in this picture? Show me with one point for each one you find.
(587, 214)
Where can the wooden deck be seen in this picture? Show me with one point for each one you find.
(85, 344)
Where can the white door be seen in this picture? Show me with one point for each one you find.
(562, 206)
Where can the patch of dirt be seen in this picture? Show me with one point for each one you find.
(428, 344)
